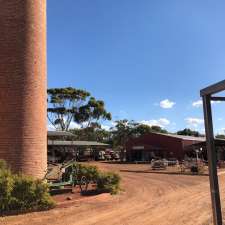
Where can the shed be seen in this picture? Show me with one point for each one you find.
(153, 145)
(63, 147)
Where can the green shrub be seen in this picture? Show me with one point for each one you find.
(90, 172)
(23, 193)
(106, 181)
(109, 182)
(44, 200)
(6, 187)
(30, 194)
(19, 192)
(3, 165)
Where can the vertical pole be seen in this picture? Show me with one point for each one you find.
(211, 151)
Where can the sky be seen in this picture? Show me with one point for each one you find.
(146, 59)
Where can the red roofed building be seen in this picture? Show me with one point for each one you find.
(153, 145)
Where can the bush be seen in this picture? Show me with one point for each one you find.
(109, 182)
(21, 193)
(6, 187)
(90, 172)
(30, 194)
(3, 165)
(106, 181)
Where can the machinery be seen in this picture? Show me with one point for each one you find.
(66, 176)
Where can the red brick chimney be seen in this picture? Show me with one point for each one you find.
(23, 97)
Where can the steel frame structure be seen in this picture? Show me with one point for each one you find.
(207, 95)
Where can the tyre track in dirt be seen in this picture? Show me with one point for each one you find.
(148, 199)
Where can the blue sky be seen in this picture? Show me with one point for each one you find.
(140, 57)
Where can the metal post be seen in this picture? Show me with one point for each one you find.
(211, 151)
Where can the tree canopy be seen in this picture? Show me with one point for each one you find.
(92, 112)
(189, 132)
(70, 104)
(220, 136)
(93, 134)
(125, 129)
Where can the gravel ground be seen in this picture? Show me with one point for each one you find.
(148, 199)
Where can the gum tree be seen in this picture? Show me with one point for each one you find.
(67, 105)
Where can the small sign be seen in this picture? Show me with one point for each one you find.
(138, 147)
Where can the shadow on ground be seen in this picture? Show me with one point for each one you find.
(162, 172)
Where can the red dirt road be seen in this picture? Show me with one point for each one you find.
(148, 199)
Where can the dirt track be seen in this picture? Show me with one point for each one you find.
(149, 199)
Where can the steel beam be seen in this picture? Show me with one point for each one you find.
(215, 98)
(215, 88)
(212, 161)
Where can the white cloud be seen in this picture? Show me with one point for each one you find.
(105, 127)
(109, 125)
(50, 127)
(113, 124)
(221, 130)
(74, 125)
(162, 122)
(194, 122)
(199, 103)
(215, 102)
(166, 104)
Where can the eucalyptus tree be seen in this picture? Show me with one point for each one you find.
(67, 105)
(189, 132)
(93, 134)
(124, 130)
(121, 134)
(92, 113)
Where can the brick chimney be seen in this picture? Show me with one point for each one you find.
(23, 97)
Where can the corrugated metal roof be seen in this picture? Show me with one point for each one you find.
(59, 133)
(190, 138)
(75, 143)
(218, 142)
(184, 137)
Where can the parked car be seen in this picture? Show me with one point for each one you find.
(172, 162)
(115, 156)
(160, 164)
(101, 155)
(108, 157)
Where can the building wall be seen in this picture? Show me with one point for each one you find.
(168, 144)
(23, 134)
(187, 143)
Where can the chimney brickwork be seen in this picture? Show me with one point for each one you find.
(23, 134)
